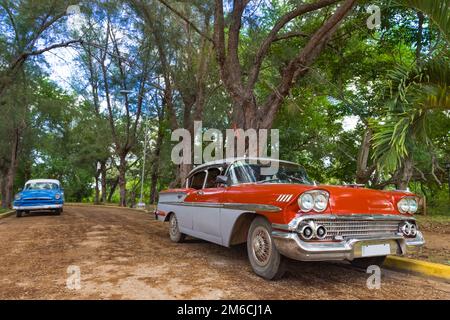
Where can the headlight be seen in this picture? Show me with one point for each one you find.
(407, 205)
(57, 196)
(412, 205)
(17, 197)
(316, 200)
(306, 202)
(320, 202)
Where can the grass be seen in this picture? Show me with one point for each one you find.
(433, 219)
(4, 210)
(435, 223)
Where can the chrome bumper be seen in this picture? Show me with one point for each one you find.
(290, 245)
(40, 207)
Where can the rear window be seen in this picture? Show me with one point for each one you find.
(196, 182)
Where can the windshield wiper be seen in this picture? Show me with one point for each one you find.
(268, 180)
(295, 178)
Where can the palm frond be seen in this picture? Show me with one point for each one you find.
(415, 91)
(437, 10)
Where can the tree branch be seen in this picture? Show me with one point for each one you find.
(185, 19)
(300, 64)
(23, 56)
(264, 48)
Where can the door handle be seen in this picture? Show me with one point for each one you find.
(200, 193)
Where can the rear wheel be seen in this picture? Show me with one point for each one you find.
(19, 213)
(264, 257)
(364, 263)
(174, 231)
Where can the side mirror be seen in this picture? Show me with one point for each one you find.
(222, 180)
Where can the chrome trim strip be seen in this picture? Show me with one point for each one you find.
(253, 207)
(280, 226)
(292, 226)
(43, 207)
(193, 204)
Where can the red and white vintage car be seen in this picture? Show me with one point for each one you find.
(282, 215)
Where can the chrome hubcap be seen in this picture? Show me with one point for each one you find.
(262, 246)
(173, 226)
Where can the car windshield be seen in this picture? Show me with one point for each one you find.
(244, 172)
(41, 186)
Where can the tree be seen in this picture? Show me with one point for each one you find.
(249, 110)
(418, 90)
(185, 63)
(110, 72)
(29, 23)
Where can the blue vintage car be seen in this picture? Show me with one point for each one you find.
(40, 194)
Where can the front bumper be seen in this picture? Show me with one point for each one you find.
(290, 245)
(38, 207)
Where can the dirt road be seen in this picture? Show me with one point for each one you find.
(125, 254)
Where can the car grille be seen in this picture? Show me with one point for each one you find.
(37, 199)
(354, 229)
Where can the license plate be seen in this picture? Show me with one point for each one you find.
(376, 250)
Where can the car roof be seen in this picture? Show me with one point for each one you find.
(44, 181)
(228, 161)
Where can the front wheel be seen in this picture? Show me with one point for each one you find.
(174, 231)
(264, 257)
(18, 213)
(364, 263)
(58, 212)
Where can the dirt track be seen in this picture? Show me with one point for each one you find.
(125, 254)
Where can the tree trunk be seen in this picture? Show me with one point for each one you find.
(420, 17)
(123, 181)
(184, 171)
(154, 183)
(244, 113)
(97, 189)
(3, 191)
(113, 189)
(406, 172)
(103, 182)
(133, 198)
(363, 171)
(247, 113)
(155, 167)
(11, 173)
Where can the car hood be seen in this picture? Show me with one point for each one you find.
(343, 199)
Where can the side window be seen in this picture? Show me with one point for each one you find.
(196, 181)
(241, 172)
(212, 175)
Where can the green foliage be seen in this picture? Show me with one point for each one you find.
(416, 92)
(373, 76)
(437, 10)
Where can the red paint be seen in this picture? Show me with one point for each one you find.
(343, 200)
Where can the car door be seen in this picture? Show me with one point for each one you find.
(208, 200)
(185, 214)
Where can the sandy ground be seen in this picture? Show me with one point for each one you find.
(125, 254)
(436, 249)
